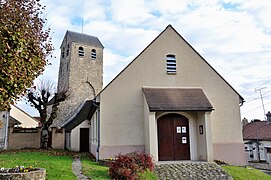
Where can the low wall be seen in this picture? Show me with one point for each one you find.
(39, 174)
(30, 138)
(58, 138)
(260, 165)
(24, 138)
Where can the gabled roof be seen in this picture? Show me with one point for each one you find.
(83, 38)
(22, 117)
(12, 121)
(170, 26)
(176, 99)
(258, 130)
(84, 112)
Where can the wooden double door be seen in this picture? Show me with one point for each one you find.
(173, 138)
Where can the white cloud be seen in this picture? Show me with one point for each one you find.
(234, 36)
(130, 12)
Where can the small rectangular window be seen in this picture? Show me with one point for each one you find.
(171, 64)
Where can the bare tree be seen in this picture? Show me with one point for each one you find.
(39, 97)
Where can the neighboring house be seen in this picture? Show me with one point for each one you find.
(168, 102)
(257, 139)
(20, 118)
(16, 117)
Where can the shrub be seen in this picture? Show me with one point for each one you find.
(128, 166)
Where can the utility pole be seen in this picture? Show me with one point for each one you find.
(260, 91)
(82, 25)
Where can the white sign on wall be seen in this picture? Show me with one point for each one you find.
(179, 129)
(183, 129)
(184, 140)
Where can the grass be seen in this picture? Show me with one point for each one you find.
(57, 167)
(58, 164)
(147, 175)
(94, 170)
(98, 172)
(241, 173)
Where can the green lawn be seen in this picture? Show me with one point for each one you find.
(94, 170)
(248, 173)
(57, 167)
(58, 164)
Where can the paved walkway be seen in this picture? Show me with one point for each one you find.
(182, 170)
(77, 169)
(190, 171)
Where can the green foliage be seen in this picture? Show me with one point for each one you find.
(94, 169)
(24, 47)
(240, 173)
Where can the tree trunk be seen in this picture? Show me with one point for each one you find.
(44, 137)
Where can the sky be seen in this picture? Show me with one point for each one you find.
(234, 36)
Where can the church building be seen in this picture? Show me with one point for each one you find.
(168, 102)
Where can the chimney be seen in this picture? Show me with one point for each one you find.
(244, 122)
(268, 115)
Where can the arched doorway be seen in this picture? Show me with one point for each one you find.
(173, 137)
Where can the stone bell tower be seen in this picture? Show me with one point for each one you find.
(80, 72)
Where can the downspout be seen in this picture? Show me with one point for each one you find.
(98, 147)
(98, 129)
(6, 131)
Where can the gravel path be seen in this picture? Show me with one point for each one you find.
(191, 171)
(77, 168)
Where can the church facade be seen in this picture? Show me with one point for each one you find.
(168, 102)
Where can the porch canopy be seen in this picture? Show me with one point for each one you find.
(176, 99)
(84, 112)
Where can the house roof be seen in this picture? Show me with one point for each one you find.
(12, 121)
(83, 38)
(176, 99)
(258, 130)
(19, 115)
(170, 26)
(84, 112)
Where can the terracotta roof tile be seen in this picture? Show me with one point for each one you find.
(260, 130)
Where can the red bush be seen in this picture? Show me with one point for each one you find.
(126, 166)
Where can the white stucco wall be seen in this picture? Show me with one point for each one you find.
(75, 135)
(2, 129)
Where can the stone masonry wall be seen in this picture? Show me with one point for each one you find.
(81, 77)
